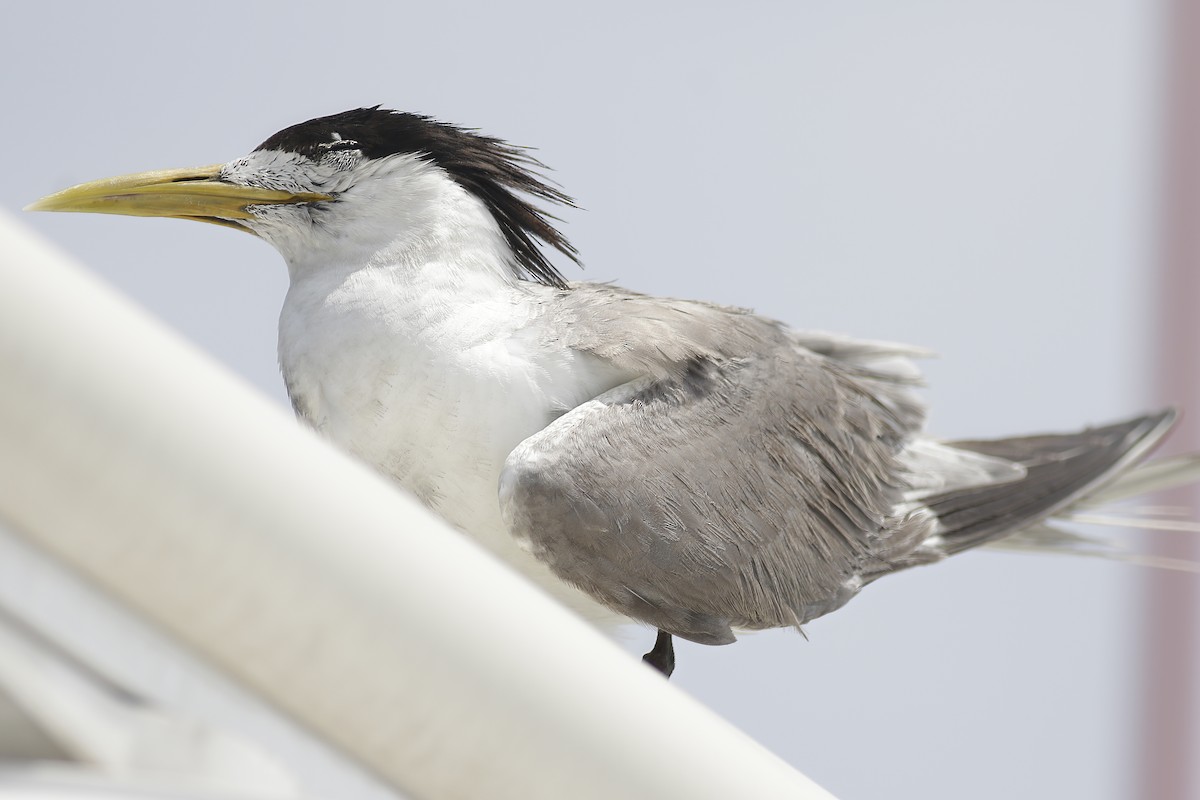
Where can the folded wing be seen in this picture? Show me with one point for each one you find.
(739, 491)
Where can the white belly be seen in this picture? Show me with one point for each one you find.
(436, 402)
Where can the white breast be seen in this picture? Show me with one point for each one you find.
(435, 391)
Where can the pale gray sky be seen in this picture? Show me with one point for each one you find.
(972, 177)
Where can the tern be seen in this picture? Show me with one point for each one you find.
(694, 467)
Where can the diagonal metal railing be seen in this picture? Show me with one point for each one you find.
(152, 472)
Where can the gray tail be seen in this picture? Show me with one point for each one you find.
(1061, 471)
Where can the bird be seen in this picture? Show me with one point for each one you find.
(697, 468)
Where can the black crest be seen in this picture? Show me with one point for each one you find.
(491, 169)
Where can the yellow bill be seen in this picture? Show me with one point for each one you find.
(193, 193)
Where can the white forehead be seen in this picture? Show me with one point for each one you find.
(333, 172)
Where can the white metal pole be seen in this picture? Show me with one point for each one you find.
(304, 576)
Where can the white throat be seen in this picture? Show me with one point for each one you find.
(419, 350)
(407, 216)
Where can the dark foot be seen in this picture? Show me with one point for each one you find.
(662, 657)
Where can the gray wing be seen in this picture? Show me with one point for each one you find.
(744, 481)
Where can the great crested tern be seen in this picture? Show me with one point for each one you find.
(695, 467)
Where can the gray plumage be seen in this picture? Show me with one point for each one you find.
(754, 477)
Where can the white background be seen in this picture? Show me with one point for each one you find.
(974, 177)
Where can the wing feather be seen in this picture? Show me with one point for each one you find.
(743, 481)
(749, 476)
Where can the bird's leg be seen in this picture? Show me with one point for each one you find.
(662, 657)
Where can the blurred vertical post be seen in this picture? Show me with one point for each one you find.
(1170, 742)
